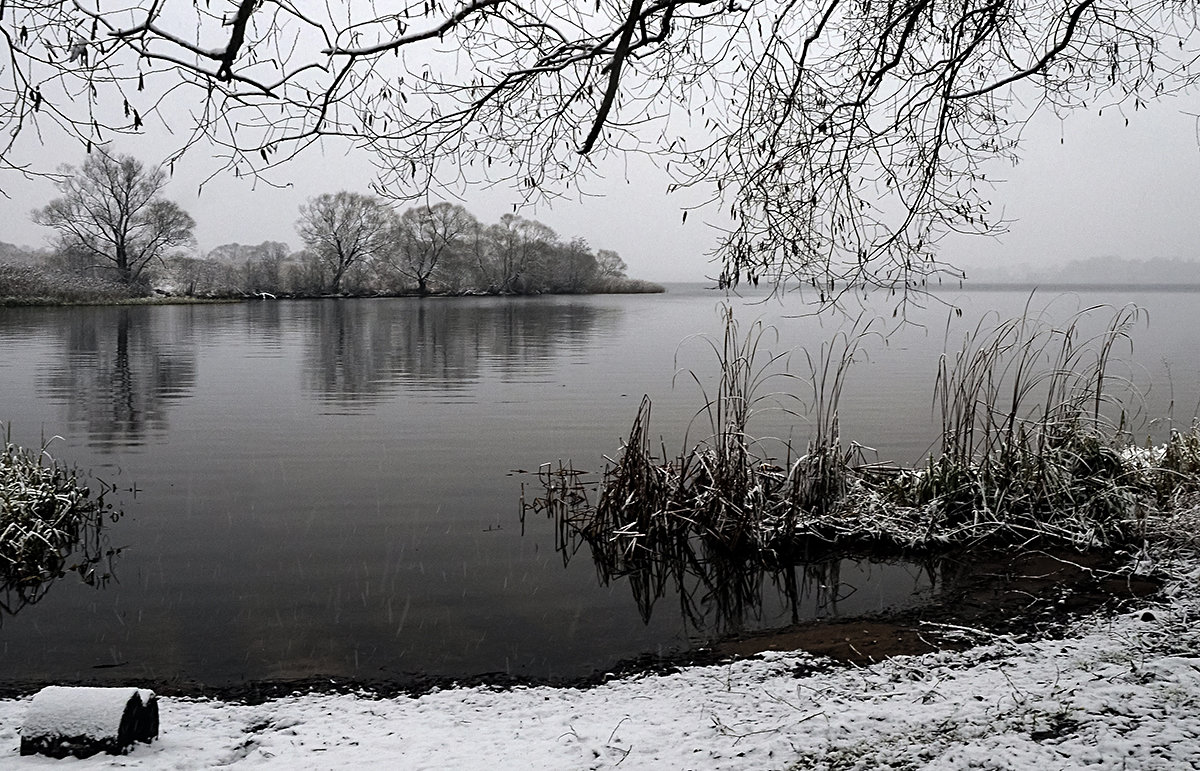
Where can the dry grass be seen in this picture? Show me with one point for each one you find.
(43, 285)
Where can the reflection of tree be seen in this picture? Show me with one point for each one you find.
(264, 322)
(361, 350)
(348, 351)
(118, 374)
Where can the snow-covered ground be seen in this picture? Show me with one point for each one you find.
(1119, 692)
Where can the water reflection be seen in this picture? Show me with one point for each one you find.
(722, 592)
(348, 353)
(276, 540)
(263, 322)
(117, 374)
(357, 353)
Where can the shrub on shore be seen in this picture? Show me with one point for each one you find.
(44, 285)
(624, 286)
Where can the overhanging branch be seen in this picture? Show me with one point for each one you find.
(614, 77)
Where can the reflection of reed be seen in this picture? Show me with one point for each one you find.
(50, 525)
(720, 590)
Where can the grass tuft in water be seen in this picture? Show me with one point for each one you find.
(50, 525)
(1035, 448)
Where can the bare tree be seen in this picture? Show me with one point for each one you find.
(259, 267)
(344, 229)
(112, 212)
(426, 238)
(263, 269)
(516, 253)
(573, 267)
(843, 138)
(610, 265)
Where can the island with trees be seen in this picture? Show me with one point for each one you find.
(116, 237)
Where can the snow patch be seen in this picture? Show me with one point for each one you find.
(94, 713)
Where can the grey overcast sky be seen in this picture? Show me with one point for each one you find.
(1088, 186)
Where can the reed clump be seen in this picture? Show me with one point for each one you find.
(1034, 448)
(49, 525)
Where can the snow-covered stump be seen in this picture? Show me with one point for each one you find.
(84, 721)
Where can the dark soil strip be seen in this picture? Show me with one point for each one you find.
(1031, 595)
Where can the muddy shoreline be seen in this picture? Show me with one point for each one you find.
(1030, 595)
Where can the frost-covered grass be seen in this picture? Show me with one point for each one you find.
(1117, 692)
(46, 513)
(43, 285)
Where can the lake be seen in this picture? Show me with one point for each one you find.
(332, 488)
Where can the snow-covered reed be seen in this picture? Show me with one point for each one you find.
(50, 524)
(1035, 447)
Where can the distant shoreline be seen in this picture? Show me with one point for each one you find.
(11, 301)
(20, 302)
(646, 287)
(964, 286)
(1058, 286)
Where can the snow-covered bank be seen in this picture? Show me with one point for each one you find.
(1119, 692)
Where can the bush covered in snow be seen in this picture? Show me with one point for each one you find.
(41, 284)
(47, 515)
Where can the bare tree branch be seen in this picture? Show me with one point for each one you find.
(838, 142)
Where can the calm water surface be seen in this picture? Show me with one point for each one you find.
(332, 487)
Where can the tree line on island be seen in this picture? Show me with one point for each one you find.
(113, 226)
